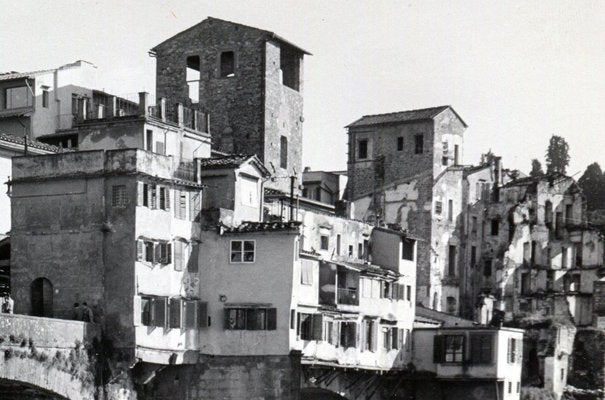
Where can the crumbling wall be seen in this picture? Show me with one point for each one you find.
(588, 360)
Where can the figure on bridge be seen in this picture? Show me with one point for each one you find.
(8, 304)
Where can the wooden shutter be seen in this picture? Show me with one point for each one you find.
(149, 313)
(136, 306)
(292, 319)
(251, 321)
(335, 333)
(374, 336)
(140, 250)
(140, 193)
(168, 253)
(189, 312)
(192, 263)
(160, 311)
(438, 349)
(157, 253)
(162, 201)
(317, 325)
(202, 314)
(167, 199)
(175, 313)
(178, 255)
(475, 349)
(394, 338)
(226, 319)
(510, 350)
(271, 319)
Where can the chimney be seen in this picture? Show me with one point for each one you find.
(143, 104)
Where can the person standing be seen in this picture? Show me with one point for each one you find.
(7, 306)
(86, 313)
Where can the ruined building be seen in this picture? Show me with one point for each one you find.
(403, 169)
(249, 80)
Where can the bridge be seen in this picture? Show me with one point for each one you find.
(47, 358)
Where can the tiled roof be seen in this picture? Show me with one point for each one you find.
(401, 116)
(371, 268)
(230, 161)
(250, 226)
(30, 143)
(6, 76)
(274, 192)
(528, 180)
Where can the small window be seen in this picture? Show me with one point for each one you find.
(454, 348)
(451, 265)
(149, 140)
(451, 304)
(338, 244)
(487, 268)
(438, 207)
(495, 227)
(518, 387)
(400, 143)
(362, 149)
(350, 250)
(318, 193)
(419, 144)
(407, 252)
(118, 196)
(473, 224)
(444, 161)
(283, 152)
(242, 251)
(360, 251)
(324, 242)
(408, 292)
(306, 272)
(510, 387)
(192, 76)
(450, 210)
(45, 98)
(250, 319)
(17, 97)
(227, 67)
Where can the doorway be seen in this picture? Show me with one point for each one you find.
(42, 298)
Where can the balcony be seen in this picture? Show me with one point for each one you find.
(349, 296)
(178, 114)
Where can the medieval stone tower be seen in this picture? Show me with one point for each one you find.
(249, 81)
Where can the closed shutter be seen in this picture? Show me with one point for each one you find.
(149, 312)
(251, 320)
(160, 311)
(271, 319)
(226, 319)
(136, 303)
(352, 338)
(510, 350)
(317, 327)
(157, 252)
(140, 250)
(335, 333)
(178, 255)
(175, 313)
(475, 349)
(438, 349)
(189, 310)
(162, 195)
(168, 253)
(394, 340)
(194, 206)
(193, 257)
(151, 196)
(374, 344)
(202, 314)
(140, 193)
(167, 199)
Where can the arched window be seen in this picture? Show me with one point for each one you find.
(42, 298)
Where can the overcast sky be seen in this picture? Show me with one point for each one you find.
(517, 72)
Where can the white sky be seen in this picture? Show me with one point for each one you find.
(517, 72)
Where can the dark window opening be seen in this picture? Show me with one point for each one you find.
(495, 227)
(362, 149)
(283, 152)
(324, 242)
(318, 193)
(289, 62)
(407, 249)
(450, 210)
(487, 268)
(456, 154)
(444, 161)
(418, 144)
(227, 67)
(45, 98)
(451, 265)
(481, 348)
(400, 143)
(193, 76)
(451, 305)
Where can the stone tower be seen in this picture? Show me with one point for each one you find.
(249, 80)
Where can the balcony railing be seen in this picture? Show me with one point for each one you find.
(189, 118)
(347, 296)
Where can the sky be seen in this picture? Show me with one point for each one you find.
(516, 72)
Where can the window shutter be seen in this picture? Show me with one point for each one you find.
(161, 194)
(271, 319)
(178, 255)
(193, 258)
(510, 350)
(202, 314)
(150, 315)
(476, 355)
(140, 193)
(150, 196)
(137, 310)
(175, 313)
(160, 311)
(438, 349)
(374, 344)
(226, 319)
(335, 333)
(394, 339)
(317, 327)
(189, 311)
(168, 253)
(167, 199)
(140, 250)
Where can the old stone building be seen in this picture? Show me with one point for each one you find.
(403, 169)
(251, 83)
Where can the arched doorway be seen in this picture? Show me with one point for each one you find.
(42, 297)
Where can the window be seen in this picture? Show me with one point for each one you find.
(180, 206)
(289, 62)
(418, 144)
(550, 280)
(510, 387)
(182, 254)
(306, 272)
(514, 351)
(451, 265)
(318, 193)
(118, 196)
(360, 251)
(164, 198)
(338, 244)
(305, 193)
(495, 227)
(408, 292)
(227, 66)
(450, 210)
(192, 76)
(17, 97)
(448, 348)
(366, 249)
(481, 348)
(474, 225)
(389, 338)
(324, 242)
(525, 283)
(283, 152)
(456, 154)
(487, 268)
(45, 98)
(563, 257)
(250, 319)
(362, 149)
(473, 256)
(444, 161)
(387, 290)
(578, 254)
(149, 140)
(568, 214)
(249, 191)
(195, 314)
(400, 143)
(452, 304)
(407, 251)
(348, 334)
(518, 387)
(562, 374)
(242, 251)
(310, 326)
(548, 214)
(438, 207)
(526, 253)
(154, 310)
(350, 250)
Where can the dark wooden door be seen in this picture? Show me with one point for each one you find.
(42, 298)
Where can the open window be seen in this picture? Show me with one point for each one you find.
(227, 64)
(192, 76)
(289, 61)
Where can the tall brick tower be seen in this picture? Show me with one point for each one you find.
(250, 82)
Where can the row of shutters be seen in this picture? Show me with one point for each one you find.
(177, 313)
(159, 197)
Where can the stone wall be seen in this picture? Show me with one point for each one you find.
(229, 378)
(588, 360)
